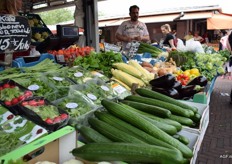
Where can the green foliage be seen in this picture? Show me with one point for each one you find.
(56, 16)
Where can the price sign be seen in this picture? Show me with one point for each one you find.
(112, 47)
(15, 33)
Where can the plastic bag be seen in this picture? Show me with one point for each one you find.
(194, 46)
(180, 46)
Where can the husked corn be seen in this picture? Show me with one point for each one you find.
(128, 69)
(126, 78)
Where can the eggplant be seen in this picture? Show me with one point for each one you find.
(177, 85)
(188, 91)
(165, 81)
(171, 92)
(199, 80)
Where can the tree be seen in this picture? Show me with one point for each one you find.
(56, 16)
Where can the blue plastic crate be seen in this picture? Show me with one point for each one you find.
(20, 62)
(1, 69)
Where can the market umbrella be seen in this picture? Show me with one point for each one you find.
(219, 21)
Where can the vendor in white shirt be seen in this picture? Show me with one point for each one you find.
(132, 29)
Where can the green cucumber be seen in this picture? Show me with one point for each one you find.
(176, 124)
(182, 139)
(173, 108)
(130, 129)
(182, 120)
(155, 110)
(91, 135)
(128, 152)
(111, 132)
(156, 95)
(196, 118)
(141, 123)
(163, 126)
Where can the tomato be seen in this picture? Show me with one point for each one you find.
(21, 97)
(8, 103)
(6, 85)
(24, 103)
(63, 116)
(41, 102)
(49, 121)
(57, 119)
(14, 101)
(28, 93)
(32, 103)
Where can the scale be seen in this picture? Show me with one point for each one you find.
(15, 36)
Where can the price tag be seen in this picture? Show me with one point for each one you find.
(91, 96)
(105, 88)
(97, 74)
(78, 74)
(33, 87)
(15, 33)
(58, 78)
(118, 88)
(71, 105)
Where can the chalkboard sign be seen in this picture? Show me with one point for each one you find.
(15, 33)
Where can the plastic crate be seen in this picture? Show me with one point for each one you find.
(30, 61)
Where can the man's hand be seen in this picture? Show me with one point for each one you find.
(138, 38)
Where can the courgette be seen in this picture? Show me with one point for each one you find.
(158, 111)
(130, 129)
(156, 95)
(91, 135)
(182, 139)
(128, 152)
(141, 123)
(163, 126)
(111, 132)
(173, 108)
(176, 124)
(182, 120)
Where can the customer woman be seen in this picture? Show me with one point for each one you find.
(168, 37)
(10, 7)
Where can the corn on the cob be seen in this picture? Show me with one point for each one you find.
(128, 69)
(127, 78)
(146, 76)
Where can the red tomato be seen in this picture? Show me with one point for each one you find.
(14, 101)
(63, 116)
(57, 119)
(49, 121)
(24, 103)
(6, 85)
(8, 103)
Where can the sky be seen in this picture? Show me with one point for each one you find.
(121, 7)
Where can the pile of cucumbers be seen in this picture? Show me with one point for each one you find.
(140, 128)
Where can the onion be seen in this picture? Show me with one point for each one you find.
(162, 72)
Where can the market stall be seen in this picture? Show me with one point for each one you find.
(148, 99)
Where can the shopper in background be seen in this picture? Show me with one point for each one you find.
(188, 36)
(197, 37)
(168, 41)
(132, 29)
(229, 47)
(10, 6)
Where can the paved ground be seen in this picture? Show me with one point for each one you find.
(216, 147)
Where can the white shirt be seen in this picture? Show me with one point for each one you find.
(127, 28)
